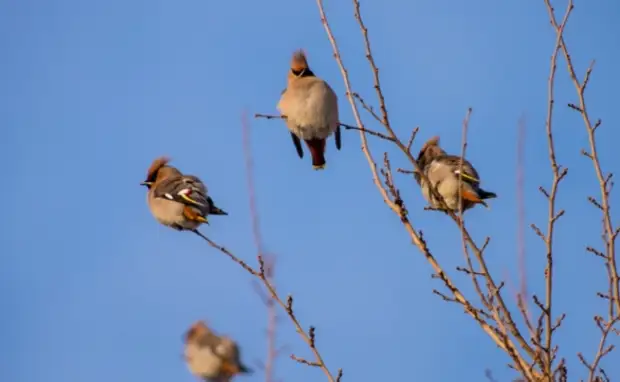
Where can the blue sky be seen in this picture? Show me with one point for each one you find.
(94, 289)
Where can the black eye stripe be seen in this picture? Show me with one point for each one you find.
(303, 72)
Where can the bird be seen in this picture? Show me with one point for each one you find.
(442, 171)
(211, 357)
(310, 109)
(176, 200)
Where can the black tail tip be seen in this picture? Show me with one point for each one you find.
(217, 211)
(246, 370)
(488, 195)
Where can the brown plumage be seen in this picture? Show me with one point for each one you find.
(443, 172)
(176, 200)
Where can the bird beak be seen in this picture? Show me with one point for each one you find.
(146, 184)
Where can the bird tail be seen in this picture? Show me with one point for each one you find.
(486, 194)
(244, 369)
(217, 211)
(317, 151)
(192, 215)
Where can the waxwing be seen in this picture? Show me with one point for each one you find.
(176, 200)
(211, 357)
(311, 110)
(442, 172)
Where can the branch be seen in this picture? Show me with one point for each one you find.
(470, 266)
(272, 321)
(263, 274)
(502, 341)
(273, 116)
(269, 302)
(415, 236)
(405, 149)
(580, 87)
(288, 306)
(558, 174)
(609, 233)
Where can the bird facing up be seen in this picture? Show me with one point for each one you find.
(442, 172)
(311, 109)
(176, 200)
(211, 357)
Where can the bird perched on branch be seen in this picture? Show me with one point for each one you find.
(442, 172)
(176, 200)
(310, 107)
(211, 357)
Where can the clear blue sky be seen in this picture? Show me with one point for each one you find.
(92, 288)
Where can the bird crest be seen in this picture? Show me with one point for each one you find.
(198, 329)
(433, 141)
(430, 148)
(157, 164)
(299, 61)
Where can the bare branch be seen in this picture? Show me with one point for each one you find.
(504, 341)
(609, 233)
(368, 108)
(264, 274)
(273, 116)
(580, 87)
(558, 175)
(371, 132)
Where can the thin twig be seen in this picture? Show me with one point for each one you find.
(468, 259)
(609, 233)
(371, 132)
(273, 116)
(272, 353)
(222, 249)
(264, 275)
(288, 307)
(602, 179)
(368, 108)
(558, 174)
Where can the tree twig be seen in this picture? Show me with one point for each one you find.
(269, 302)
(558, 174)
(504, 342)
(274, 116)
(609, 233)
(264, 276)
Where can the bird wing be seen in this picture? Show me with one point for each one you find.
(186, 189)
(338, 138)
(469, 174)
(226, 348)
(229, 351)
(297, 143)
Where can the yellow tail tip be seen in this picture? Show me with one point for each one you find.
(321, 167)
(202, 219)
